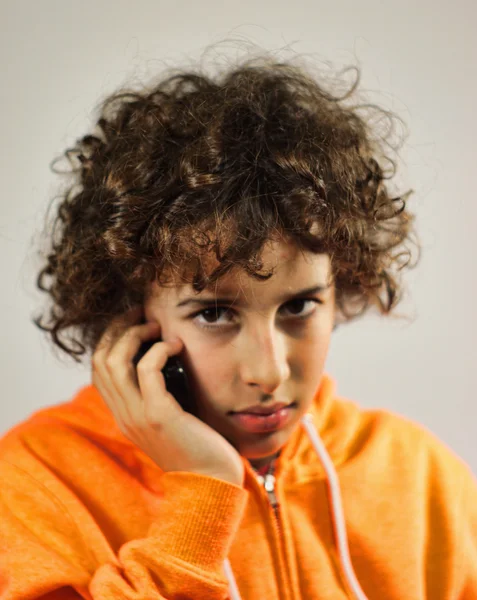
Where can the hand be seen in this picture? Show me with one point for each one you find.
(147, 414)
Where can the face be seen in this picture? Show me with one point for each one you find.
(266, 343)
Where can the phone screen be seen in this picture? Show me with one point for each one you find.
(175, 377)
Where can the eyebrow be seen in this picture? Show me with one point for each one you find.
(225, 300)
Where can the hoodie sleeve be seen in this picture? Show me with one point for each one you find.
(46, 554)
(183, 555)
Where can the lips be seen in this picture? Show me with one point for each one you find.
(264, 424)
(263, 410)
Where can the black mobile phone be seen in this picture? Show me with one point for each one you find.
(175, 377)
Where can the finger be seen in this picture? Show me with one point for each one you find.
(118, 372)
(104, 346)
(159, 405)
(100, 373)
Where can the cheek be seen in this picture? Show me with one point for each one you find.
(318, 347)
(311, 354)
(210, 371)
(210, 379)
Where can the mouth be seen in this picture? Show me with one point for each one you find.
(262, 423)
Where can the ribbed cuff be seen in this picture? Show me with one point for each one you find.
(199, 518)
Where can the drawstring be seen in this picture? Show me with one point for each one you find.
(336, 511)
(336, 507)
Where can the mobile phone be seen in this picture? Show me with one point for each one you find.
(175, 376)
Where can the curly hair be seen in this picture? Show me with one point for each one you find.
(193, 164)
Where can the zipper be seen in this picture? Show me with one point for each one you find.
(268, 482)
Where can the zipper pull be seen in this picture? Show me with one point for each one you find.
(269, 484)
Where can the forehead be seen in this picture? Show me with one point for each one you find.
(292, 269)
(289, 264)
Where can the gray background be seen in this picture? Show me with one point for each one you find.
(417, 58)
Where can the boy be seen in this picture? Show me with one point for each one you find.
(230, 223)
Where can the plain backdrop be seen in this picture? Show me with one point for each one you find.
(418, 59)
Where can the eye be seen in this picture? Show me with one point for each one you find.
(212, 314)
(298, 302)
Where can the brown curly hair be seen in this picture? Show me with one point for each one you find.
(194, 164)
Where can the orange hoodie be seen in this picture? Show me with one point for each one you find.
(370, 505)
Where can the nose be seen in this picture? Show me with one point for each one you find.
(265, 362)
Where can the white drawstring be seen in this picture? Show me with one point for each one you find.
(337, 507)
(233, 589)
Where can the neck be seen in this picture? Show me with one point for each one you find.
(258, 463)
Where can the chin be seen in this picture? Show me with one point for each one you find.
(263, 445)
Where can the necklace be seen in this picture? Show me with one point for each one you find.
(266, 469)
